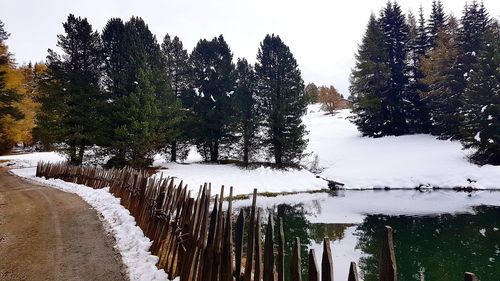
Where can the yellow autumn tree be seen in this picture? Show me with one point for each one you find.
(23, 81)
(19, 110)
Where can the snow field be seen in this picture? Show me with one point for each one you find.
(395, 162)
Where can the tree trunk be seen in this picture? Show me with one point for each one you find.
(72, 154)
(278, 153)
(245, 150)
(214, 151)
(80, 154)
(173, 152)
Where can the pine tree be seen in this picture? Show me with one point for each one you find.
(281, 99)
(246, 109)
(312, 93)
(369, 81)
(214, 82)
(475, 21)
(482, 102)
(180, 76)
(417, 113)
(437, 21)
(442, 77)
(396, 31)
(72, 101)
(142, 108)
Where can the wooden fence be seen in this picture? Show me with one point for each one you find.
(196, 238)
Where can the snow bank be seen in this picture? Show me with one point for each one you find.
(395, 162)
(352, 206)
(265, 179)
(130, 240)
(30, 159)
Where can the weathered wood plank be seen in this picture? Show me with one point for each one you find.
(313, 266)
(326, 261)
(353, 272)
(387, 268)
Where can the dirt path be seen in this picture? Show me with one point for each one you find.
(47, 234)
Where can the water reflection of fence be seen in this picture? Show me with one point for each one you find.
(194, 243)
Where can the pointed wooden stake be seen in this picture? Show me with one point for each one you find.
(313, 266)
(469, 276)
(353, 272)
(295, 270)
(387, 269)
(327, 261)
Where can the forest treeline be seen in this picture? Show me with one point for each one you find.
(439, 75)
(131, 97)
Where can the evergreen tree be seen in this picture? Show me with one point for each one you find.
(475, 21)
(142, 109)
(246, 109)
(312, 93)
(281, 99)
(482, 102)
(180, 76)
(72, 99)
(369, 81)
(396, 38)
(442, 77)
(214, 82)
(417, 113)
(437, 21)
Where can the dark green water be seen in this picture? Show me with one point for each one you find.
(436, 247)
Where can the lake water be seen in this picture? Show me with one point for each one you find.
(435, 238)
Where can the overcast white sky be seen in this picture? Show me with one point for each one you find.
(323, 34)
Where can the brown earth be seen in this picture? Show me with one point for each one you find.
(47, 234)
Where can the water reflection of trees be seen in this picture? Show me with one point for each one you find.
(295, 224)
(436, 248)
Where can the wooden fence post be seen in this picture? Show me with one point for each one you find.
(281, 252)
(240, 224)
(327, 261)
(251, 239)
(295, 269)
(258, 249)
(353, 272)
(269, 250)
(387, 269)
(313, 267)
(469, 276)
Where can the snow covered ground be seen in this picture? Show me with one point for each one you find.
(243, 181)
(395, 162)
(130, 240)
(30, 159)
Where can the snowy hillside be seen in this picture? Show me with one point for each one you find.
(395, 162)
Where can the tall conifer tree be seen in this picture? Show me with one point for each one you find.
(246, 109)
(482, 102)
(442, 78)
(437, 21)
(281, 99)
(396, 38)
(214, 82)
(72, 99)
(370, 81)
(180, 77)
